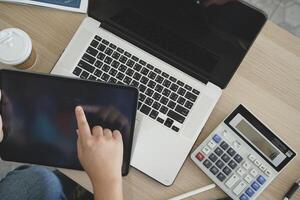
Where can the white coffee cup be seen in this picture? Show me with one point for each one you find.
(16, 49)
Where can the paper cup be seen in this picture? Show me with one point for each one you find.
(16, 49)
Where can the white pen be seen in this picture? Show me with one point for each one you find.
(194, 192)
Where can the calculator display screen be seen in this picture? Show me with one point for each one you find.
(257, 139)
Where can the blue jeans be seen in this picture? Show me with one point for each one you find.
(31, 183)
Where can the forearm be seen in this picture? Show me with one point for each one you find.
(108, 191)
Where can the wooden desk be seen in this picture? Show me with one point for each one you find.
(268, 82)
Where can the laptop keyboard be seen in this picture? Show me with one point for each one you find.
(162, 97)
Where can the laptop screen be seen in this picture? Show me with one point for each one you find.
(204, 39)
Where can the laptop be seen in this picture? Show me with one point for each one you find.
(179, 54)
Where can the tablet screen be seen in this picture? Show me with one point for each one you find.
(39, 121)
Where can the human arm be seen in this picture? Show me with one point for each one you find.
(100, 153)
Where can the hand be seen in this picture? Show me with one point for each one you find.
(100, 153)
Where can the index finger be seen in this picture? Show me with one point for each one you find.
(83, 126)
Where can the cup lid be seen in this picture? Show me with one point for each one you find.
(15, 46)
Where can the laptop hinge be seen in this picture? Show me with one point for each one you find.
(146, 46)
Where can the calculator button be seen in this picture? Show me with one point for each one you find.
(268, 173)
(232, 164)
(248, 179)
(206, 150)
(211, 144)
(238, 158)
(244, 197)
(246, 165)
(213, 157)
(231, 151)
(262, 167)
(255, 186)
(251, 157)
(225, 158)
(250, 192)
(207, 163)
(257, 163)
(220, 164)
(232, 181)
(200, 156)
(214, 170)
(261, 179)
(224, 145)
(227, 170)
(221, 177)
(217, 138)
(218, 151)
(253, 172)
(239, 188)
(241, 171)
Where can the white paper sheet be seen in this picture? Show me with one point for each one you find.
(69, 5)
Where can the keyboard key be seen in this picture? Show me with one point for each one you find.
(108, 51)
(160, 120)
(142, 62)
(251, 157)
(174, 87)
(122, 68)
(94, 43)
(248, 179)
(157, 70)
(200, 156)
(181, 91)
(129, 72)
(113, 72)
(152, 75)
(98, 64)
(218, 151)
(255, 186)
(164, 100)
(145, 71)
(173, 96)
(86, 66)
(166, 83)
(250, 192)
(156, 105)
(164, 74)
(221, 177)
(173, 79)
(134, 83)
(77, 71)
(153, 114)
(116, 55)
(232, 164)
(238, 158)
(92, 51)
(84, 75)
(232, 181)
(105, 77)
(176, 116)
(244, 197)
(151, 84)
(171, 104)
(214, 170)
(225, 158)
(253, 172)
(145, 109)
(261, 179)
(181, 100)
(142, 97)
(98, 38)
(213, 157)
(239, 188)
(190, 96)
(159, 79)
(227, 170)
(149, 92)
(123, 59)
(168, 122)
(137, 76)
(88, 58)
(195, 91)
(105, 42)
(220, 164)
(106, 68)
(149, 66)
(180, 83)
(111, 45)
(149, 101)
(181, 110)
(101, 47)
(108, 60)
(163, 109)
(217, 138)
(241, 171)
(144, 80)
(98, 73)
(159, 88)
(112, 80)
(224, 145)
(120, 50)
(166, 92)
(188, 104)
(189, 88)
(135, 58)
(175, 128)
(211, 144)
(156, 96)
(231, 151)
(207, 164)
(130, 63)
(127, 80)
(206, 150)
(142, 87)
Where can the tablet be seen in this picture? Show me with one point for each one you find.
(39, 123)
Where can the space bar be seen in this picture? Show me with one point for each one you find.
(176, 116)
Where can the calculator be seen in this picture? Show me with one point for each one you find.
(242, 156)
